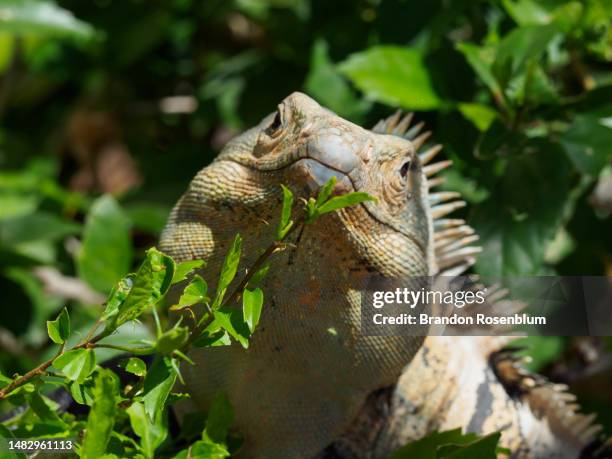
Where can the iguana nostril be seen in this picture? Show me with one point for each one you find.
(332, 151)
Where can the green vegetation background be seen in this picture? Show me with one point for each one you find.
(108, 108)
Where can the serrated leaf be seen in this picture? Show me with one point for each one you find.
(101, 418)
(203, 450)
(219, 420)
(345, 200)
(106, 254)
(184, 268)
(393, 75)
(76, 364)
(285, 223)
(135, 366)
(157, 385)
(252, 302)
(59, 329)
(194, 293)
(228, 270)
(151, 282)
(152, 431)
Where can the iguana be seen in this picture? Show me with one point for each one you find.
(310, 384)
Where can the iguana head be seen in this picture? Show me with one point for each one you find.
(303, 144)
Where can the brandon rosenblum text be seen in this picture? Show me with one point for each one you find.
(456, 319)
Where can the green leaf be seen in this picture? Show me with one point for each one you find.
(8, 435)
(152, 432)
(427, 447)
(524, 211)
(285, 223)
(521, 46)
(393, 75)
(326, 191)
(172, 339)
(258, 277)
(203, 450)
(252, 302)
(41, 18)
(228, 270)
(479, 114)
(194, 293)
(345, 200)
(588, 141)
(151, 282)
(481, 60)
(219, 420)
(76, 364)
(59, 329)
(135, 366)
(329, 88)
(106, 254)
(231, 320)
(82, 393)
(482, 448)
(157, 385)
(185, 268)
(117, 296)
(210, 338)
(102, 415)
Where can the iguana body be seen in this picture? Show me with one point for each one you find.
(310, 379)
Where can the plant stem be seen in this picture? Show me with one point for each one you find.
(40, 369)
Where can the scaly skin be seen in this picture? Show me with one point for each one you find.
(303, 383)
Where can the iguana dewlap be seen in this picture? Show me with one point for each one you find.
(307, 379)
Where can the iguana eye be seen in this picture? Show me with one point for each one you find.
(405, 168)
(275, 127)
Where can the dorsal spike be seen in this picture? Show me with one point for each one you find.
(420, 140)
(463, 230)
(442, 196)
(434, 168)
(448, 223)
(429, 154)
(401, 127)
(445, 209)
(452, 246)
(436, 181)
(458, 256)
(414, 130)
(392, 122)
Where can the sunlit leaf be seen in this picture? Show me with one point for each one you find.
(59, 329)
(76, 364)
(194, 293)
(252, 302)
(101, 418)
(394, 75)
(228, 270)
(152, 431)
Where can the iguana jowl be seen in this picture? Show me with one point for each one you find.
(299, 388)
